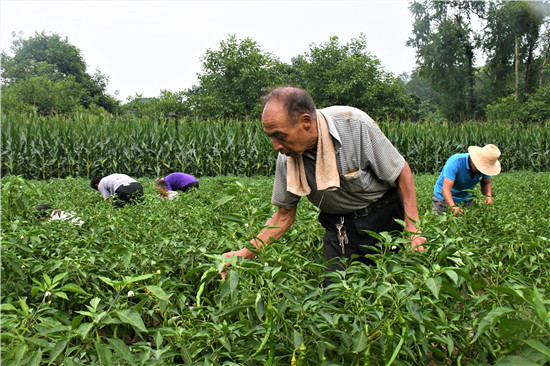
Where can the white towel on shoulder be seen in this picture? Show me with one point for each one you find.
(326, 171)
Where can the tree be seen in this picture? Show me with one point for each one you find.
(39, 94)
(233, 80)
(535, 108)
(349, 75)
(168, 105)
(428, 101)
(51, 57)
(511, 39)
(445, 46)
(545, 65)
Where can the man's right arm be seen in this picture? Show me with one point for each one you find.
(277, 225)
(447, 195)
(103, 189)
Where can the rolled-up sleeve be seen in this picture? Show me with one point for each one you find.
(280, 196)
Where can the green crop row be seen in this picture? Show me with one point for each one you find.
(57, 147)
(139, 285)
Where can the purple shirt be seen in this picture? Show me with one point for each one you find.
(177, 181)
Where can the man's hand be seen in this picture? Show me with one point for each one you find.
(488, 199)
(245, 253)
(416, 243)
(456, 210)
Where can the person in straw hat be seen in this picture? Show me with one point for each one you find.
(461, 173)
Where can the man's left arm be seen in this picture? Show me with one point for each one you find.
(407, 193)
(487, 189)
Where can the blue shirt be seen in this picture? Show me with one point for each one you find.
(457, 169)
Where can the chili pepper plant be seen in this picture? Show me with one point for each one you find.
(141, 285)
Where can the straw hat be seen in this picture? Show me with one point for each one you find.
(486, 158)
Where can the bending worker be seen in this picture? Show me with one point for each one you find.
(168, 186)
(341, 161)
(461, 173)
(118, 188)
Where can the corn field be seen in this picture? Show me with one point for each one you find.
(84, 146)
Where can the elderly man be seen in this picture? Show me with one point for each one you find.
(461, 173)
(340, 159)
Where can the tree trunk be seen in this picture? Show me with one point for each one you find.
(516, 62)
(541, 76)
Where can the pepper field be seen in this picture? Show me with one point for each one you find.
(140, 285)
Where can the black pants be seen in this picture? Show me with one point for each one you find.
(379, 217)
(132, 193)
(189, 186)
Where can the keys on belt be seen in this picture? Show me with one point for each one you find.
(342, 235)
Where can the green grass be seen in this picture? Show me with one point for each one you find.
(478, 295)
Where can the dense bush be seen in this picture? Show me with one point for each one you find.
(536, 109)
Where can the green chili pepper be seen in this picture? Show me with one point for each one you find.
(302, 357)
(399, 345)
(202, 284)
(269, 327)
(389, 341)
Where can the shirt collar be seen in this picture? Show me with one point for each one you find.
(332, 130)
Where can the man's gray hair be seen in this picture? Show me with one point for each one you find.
(296, 101)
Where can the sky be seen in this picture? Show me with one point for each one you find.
(147, 46)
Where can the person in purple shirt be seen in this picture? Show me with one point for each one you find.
(175, 182)
(461, 173)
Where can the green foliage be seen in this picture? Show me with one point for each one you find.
(446, 42)
(427, 146)
(48, 74)
(168, 105)
(17, 194)
(97, 145)
(348, 74)
(139, 285)
(236, 76)
(43, 55)
(42, 95)
(536, 109)
(513, 32)
(233, 80)
(427, 100)
(444, 47)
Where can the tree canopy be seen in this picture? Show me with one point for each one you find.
(447, 43)
(233, 79)
(452, 80)
(48, 74)
(348, 74)
(236, 76)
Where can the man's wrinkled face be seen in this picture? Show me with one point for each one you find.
(286, 138)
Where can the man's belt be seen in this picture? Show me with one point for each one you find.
(389, 196)
(361, 212)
